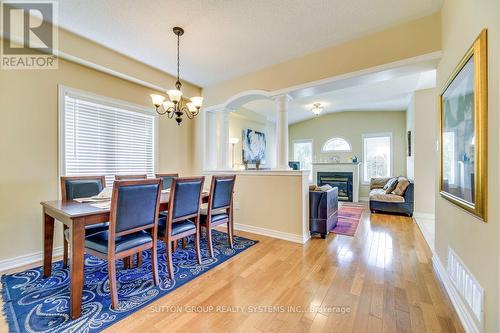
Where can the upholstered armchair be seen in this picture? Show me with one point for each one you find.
(323, 211)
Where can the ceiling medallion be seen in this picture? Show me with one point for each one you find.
(176, 105)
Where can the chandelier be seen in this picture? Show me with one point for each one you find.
(317, 109)
(176, 105)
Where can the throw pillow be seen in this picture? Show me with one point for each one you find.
(312, 187)
(391, 185)
(401, 187)
(324, 188)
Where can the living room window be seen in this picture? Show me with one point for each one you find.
(302, 152)
(377, 155)
(336, 145)
(100, 136)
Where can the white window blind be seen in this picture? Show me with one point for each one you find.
(101, 139)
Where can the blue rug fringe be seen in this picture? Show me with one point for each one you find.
(7, 311)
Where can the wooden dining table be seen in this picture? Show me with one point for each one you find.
(76, 215)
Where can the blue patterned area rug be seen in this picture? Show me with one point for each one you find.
(35, 304)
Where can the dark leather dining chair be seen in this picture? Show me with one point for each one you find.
(220, 208)
(183, 218)
(131, 177)
(133, 227)
(74, 187)
(166, 179)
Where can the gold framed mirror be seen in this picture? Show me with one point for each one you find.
(463, 133)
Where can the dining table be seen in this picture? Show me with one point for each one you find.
(76, 215)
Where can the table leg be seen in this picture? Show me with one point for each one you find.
(48, 243)
(77, 266)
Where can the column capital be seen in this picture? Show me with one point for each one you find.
(282, 97)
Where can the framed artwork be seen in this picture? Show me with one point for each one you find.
(464, 132)
(254, 146)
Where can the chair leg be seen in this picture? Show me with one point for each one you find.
(65, 250)
(174, 245)
(184, 243)
(209, 240)
(197, 244)
(230, 233)
(113, 292)
(154, 264)
(126, 262)
(169, 261)
(139, 259)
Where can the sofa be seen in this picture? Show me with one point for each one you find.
(383, 199)
(323, 209)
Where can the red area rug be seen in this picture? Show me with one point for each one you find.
(349, 217)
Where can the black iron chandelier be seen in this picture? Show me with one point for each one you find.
(176, 105)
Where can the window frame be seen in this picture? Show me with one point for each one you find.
(376, 135)
(311, 141)
(323, 150)
(64, 91)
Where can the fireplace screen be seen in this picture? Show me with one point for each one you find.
(341, 180)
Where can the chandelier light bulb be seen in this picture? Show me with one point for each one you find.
(174, 95)
(197, 101)
(157, 100)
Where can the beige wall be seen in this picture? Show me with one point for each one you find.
(238, 121)
(352, 125)
(424, 150)
(259, 197)
(401, 42)
(410, 126)
(29, 141)
(476, 242)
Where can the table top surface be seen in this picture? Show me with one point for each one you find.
(72, 208)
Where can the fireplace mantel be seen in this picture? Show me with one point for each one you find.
(340, 167)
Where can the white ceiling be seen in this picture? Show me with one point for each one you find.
(228, 38)
(387, 95)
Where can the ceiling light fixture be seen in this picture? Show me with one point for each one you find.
(317, 109)
(177, 105)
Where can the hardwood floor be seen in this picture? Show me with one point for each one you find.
(381, 280)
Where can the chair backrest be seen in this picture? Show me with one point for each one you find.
(73, 187)
(131, 177)
(185, 195)
(221, 191)
(134, 205)
(167, 179)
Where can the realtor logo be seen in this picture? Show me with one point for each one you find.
(29, 35)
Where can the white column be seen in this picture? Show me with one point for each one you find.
(210, 140)
(282, 131)
(223, 139)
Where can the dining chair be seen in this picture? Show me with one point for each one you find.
(183, 218)
(133, 227)
(131, 177)
(219, 209)
(75, 187)
(166, 179)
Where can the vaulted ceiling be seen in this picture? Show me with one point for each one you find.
(228, 38)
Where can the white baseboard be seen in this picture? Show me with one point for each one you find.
(428, 216)
(272, 233)
(27, 259)
(461, 308)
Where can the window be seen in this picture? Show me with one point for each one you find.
(302, 152)
(99, 137)
(377, 156)
(336, 144)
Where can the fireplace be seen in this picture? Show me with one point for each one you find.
(341, 180)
